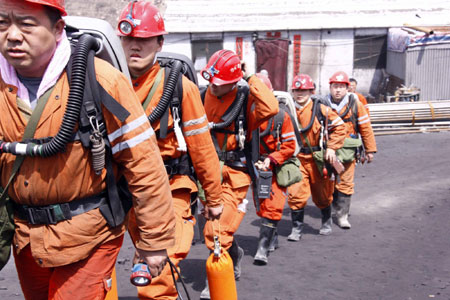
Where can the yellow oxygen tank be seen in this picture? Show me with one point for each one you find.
(220, 273)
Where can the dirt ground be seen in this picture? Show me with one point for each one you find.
(398, 247)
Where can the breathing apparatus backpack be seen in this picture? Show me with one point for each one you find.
(90, 37)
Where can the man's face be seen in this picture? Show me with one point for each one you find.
(301, 96)
(27, 38)
(352, 87)
(221, 90)
(140, 53)
(338, 91)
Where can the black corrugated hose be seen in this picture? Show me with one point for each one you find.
(169, 88)
(85, 44)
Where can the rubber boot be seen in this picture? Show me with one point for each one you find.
(325, 229)
(341, 205)
(274, 241)
(236, 254)
(205, 293)
(266, 233)
(297, 217)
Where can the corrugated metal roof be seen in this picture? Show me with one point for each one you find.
(269, 15)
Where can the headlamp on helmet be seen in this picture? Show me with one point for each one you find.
(127, 25)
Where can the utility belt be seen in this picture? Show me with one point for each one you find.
(232, 159)
(307, 150)
(54, 213)
(178, 166)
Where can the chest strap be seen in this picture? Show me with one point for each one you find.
(54, 213)
(307, 150)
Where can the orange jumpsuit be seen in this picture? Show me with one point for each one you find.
(205, 161)
(364, 102)
(313, 183)
(82, 250)
(235, 182)
(272, 208)
(346, 179)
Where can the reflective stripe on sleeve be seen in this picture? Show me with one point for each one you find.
(196, 131)
(133, 141)
(366, 121)
(127, 128)
(198, 121)
(288, 134)
(363, 117)
(288, 139)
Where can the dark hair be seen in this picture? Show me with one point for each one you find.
(160, 39)
(353, 80)
(53, 14)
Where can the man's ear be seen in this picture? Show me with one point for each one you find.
(58, 29)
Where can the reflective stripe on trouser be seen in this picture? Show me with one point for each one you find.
(272, 208)
(163, 287)
(230, 219)
(346, 179)
(88, 279)
(312, 184)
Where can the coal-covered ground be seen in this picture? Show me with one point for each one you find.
(398, 247)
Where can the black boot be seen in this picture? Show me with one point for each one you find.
(341, 206)
(266, 232)
(274, 241)
(297, 217)
(326, 221)
(236, 254)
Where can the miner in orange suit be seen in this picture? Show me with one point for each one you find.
(362, 99)
(69, 217)
(359, 142)
(235, 108)
(277, 144)
(182, 132)
(317, 121)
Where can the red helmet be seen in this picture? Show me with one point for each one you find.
(302, 82)
(224, 67)
(140, 19)
(58, 4)
(339, 77)
(264, 78)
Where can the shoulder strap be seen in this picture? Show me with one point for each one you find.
(153, 89)
(28, 134)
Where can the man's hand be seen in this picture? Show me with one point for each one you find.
(212, 213)
(369, 157)
(263, 165)
(330, 156)
(156, 260)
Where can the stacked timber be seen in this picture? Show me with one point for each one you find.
(410, 117)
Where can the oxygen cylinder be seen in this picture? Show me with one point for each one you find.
(220, 273)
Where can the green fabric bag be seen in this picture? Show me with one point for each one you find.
(347, 152)
(289, 172)
(6, 230)
(319, 159)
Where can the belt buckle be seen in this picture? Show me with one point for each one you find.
(29, 212)
(168, 169)
(50, 212)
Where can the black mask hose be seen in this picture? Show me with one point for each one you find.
(232, 115)
(169, 88)
(313, 116)
(71, 116)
